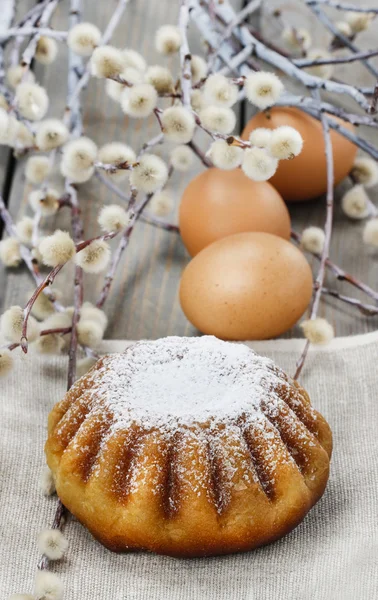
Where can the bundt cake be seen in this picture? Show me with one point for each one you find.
(188, 447)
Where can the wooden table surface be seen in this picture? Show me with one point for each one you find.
(143, 302)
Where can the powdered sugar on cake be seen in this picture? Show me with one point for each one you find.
(182, 381)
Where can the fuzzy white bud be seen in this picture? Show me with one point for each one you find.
(46, 482)
(359, 21)
(260, 137)
(285, 142)
(160, 78)
(84, 365)
(258, 164)
(17, 73)
(90, 333)
(83, 38)
(139, 101)
(344, 28)
(218, 119)
(37, 168)
(116, 153)
(48, 586)
(11, 324)
(225, 156)
(182, 158)
(220, 91)
(150, 174)
(32, 101)
(178, 124)
(45, 201)
(36, 255)
(133, 59)
(3, 102)
(24, 229)
(297, 39)
(94, 258)
(161, 203)
(57, 249)
(43, 306)
(92, 313)
(51, 134)
(313, 239)
(18, 135)
(6, 362)
(263, 89)
(132, 76)
(323, 71)
(52, 343)
(198, 67)
(168, 39)
(4, 122)
(355, 203)
(52, 543)
(318, 330)
(59, 320)
(370, 234)
(46, 51)
(107, 61)
(365, 171)
(76, 175)
(113, 218)
(79, 154)
(114, 89)
(197, 100)
(10, 253)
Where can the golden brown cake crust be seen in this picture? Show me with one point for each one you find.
(235, 468)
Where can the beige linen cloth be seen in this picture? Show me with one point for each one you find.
(332, 555)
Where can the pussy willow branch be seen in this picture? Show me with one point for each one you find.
(26, 255)
(158, 222)
(327, 230)
(326, 21)
(27, 31)
(31, 48)
(334, 60)
(48, 280)
(123, 243)
(201, 19)
(341, 274)
(303, 102)
(239, 18)
(185, 56)
(84, 79)
(73, 120)
(343, 6)
(53, 331)
(369, 310)
(258, 49)
(59, 519)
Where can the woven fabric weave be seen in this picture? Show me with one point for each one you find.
(332, 555)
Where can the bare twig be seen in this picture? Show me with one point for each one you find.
(343, 6)
(334, 60)
(185, 56)
(318, 285)
(323, 18)
(124, 242)
(369, 310)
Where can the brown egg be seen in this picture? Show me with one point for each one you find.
(248, 286)
(217, 203)
(305, 176)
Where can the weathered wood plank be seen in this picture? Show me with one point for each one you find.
(143, 301)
